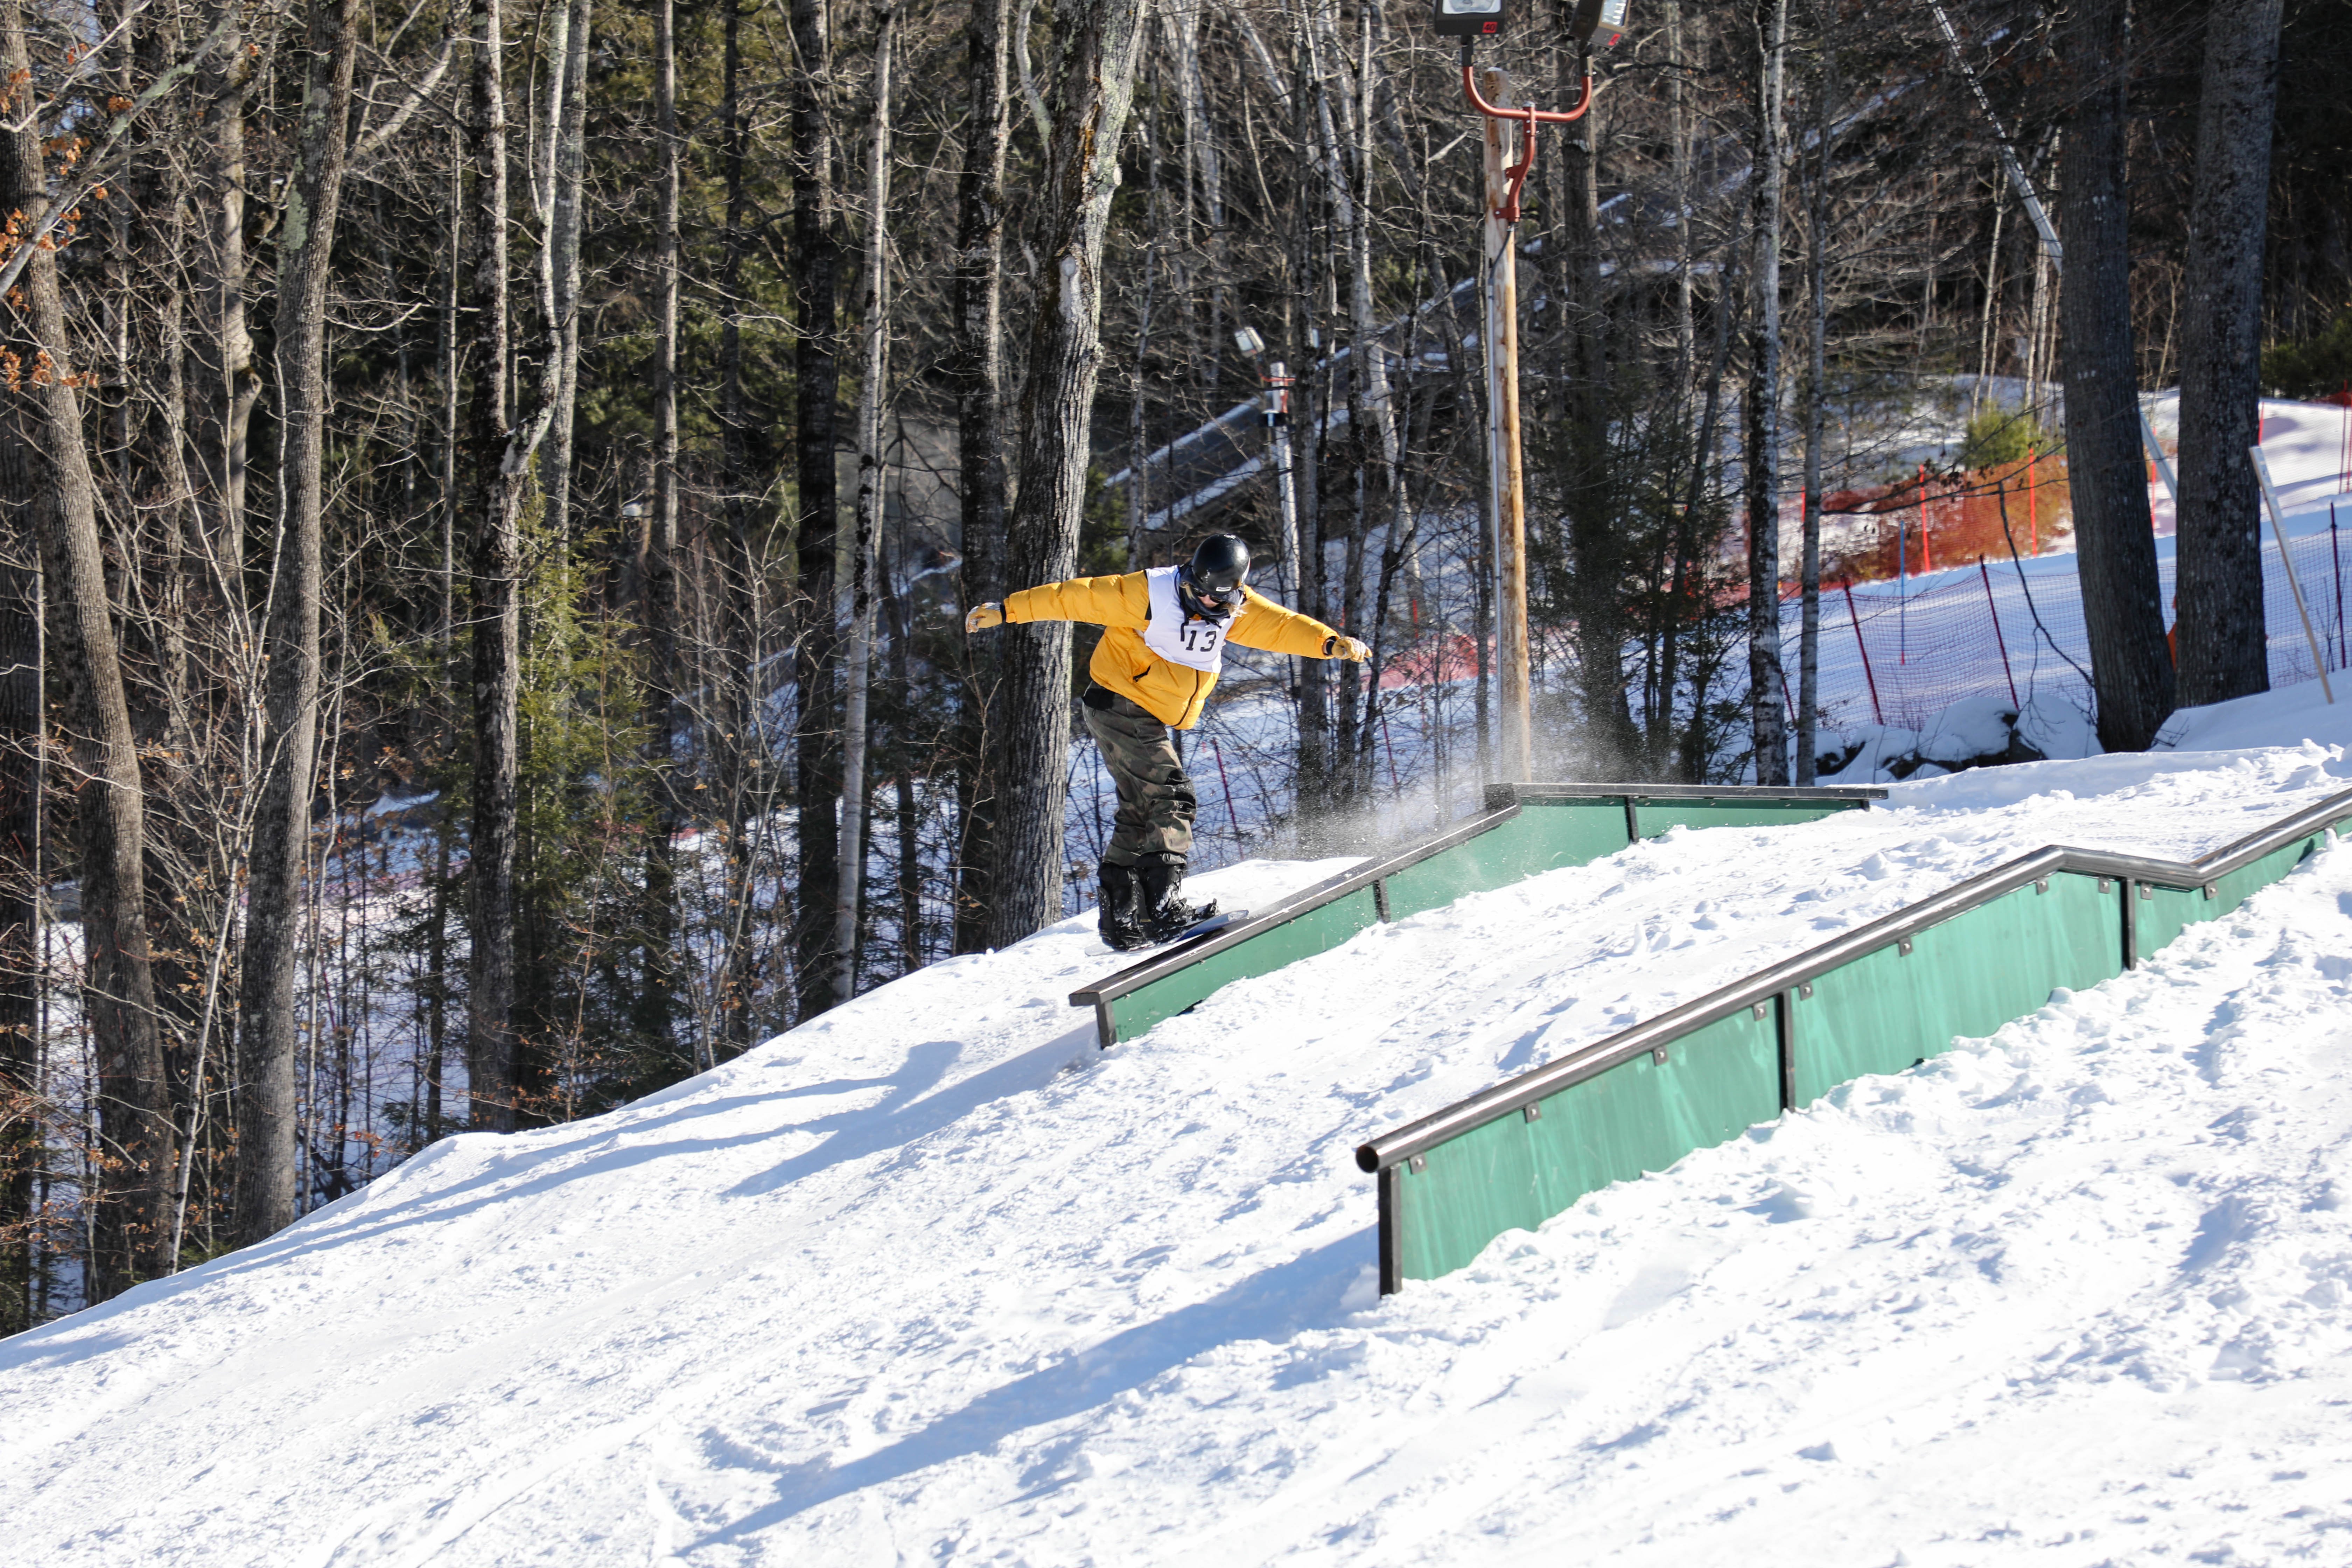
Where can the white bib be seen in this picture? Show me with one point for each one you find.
(1194, 644)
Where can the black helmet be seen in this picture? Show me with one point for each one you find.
(1212, 581)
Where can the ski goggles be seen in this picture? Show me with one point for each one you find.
(1210, 595)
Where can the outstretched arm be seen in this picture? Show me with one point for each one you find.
(1122, 601)
(1263, 624)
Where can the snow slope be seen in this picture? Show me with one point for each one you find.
(932, 1278)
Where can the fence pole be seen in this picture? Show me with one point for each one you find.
(1877, 712)
(1219, 752)
(1998, 640)
(1901, 590)
(1926, 546)
(2278, 532)
(2337, 559)
(2032, 518)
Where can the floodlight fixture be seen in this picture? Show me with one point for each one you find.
(1598, 24)
(1249, 343)
(1468, 18)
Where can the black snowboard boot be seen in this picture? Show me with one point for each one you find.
(1165, 912)
(1117, 920)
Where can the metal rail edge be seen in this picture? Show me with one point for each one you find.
(1514, 1094)
(1502, 801)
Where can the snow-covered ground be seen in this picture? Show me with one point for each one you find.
(931, 1279)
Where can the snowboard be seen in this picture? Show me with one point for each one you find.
(1205, 925)
(1208, 926)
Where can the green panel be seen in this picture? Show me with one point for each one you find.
(1881, 1012)
(1885, 1011)
(2165, 912)
(1317, 930)
(1471, 1190)
(1544, 836)
(1657, 816)
(1638, 1116)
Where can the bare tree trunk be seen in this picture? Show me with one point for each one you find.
(976, 366)
(1309, 351)
(490, 1063)
(235, 384)
(569, 77)
(1596, 536)
(1660, 739)
(657, 995)
(817, 385)
(132, 1198)
(21, 670)
(1099, 45)
(2224, 645)
(1204, 172)
(1816, 271)
(1766, 685)
(2122, 610)
(1679, 134)
(266, 1198)
(900, 600)
(875, 308)
(1154, 225)
(1371, 414)
(452, 346)
(747, 770)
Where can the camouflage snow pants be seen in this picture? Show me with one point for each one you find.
(1156, 803)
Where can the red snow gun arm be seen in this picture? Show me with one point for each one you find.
(1529, 117)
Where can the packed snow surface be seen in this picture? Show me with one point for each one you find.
(931, 1279)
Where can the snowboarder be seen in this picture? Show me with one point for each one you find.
(1167, 633)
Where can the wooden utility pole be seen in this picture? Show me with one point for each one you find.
(1504, 473)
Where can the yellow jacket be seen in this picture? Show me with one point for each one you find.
(1169, 692)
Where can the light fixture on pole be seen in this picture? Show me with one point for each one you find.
(1468, 18)
(1598, 24)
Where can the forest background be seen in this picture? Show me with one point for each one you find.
(527, 463)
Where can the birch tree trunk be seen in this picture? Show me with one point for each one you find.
(875, 310)
(2122, 611)
(815, 261)
(976, 369)
(132, 1198)
(266, 1112)
(2225, 649)
(1767, 687)
(1092, 91)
